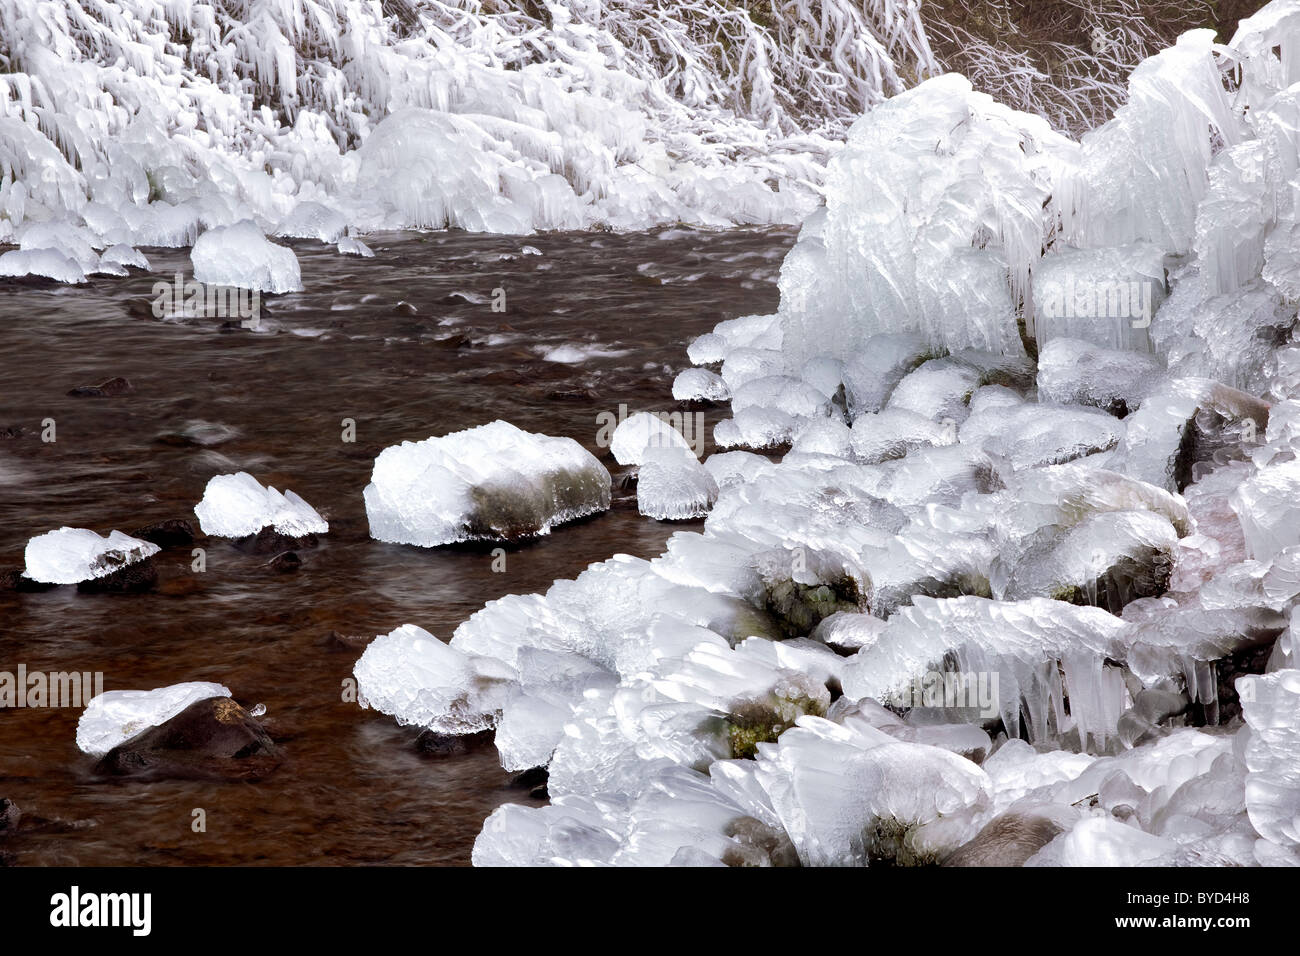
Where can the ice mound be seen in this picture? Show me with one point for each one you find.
(1074, 372)
(416, 678)
(893, 432)
(1271, 704)
(237, 505)
(491, 482)
(73, 555)
(311, 220)
(939, 390)
(1015, 639)
(44, 263)
(642, 431)
(756, 427)
(1107, 560)
(700, 385)
(1268, 507)
(116, 716)
(240, 256)
(1032, 435)
(672, 485)
(871, 375)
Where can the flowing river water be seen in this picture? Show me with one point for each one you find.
(406, 345)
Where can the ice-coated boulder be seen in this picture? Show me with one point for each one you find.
(639, 432)
(1271, 704)
(416, 678)
(237, 505)
(1032, 435)
(700, 385)
(1268, 506)
(491, 482)
(1075, 372)
(672, 485)
(116, 716)
(74, 555)
(242, 257)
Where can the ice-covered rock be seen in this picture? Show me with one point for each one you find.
(1106, 560)
(240, 256)
(1268, 507)
(74, 555)
(672, 485)
(939, 389)
(492, 482)
(1032, 435)
(416, 678)
(116, 716)
(43, 263)
(238, 505)
(641, 431)
(1271, 705)
(893, 432)
(1075, 372)
(871, 375)
(700, 385)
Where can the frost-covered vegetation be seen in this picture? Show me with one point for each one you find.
(147, 122)
(1018, 592)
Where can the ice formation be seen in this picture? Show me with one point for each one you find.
(492, 482)
(241, 256)
(73, 555)
(116, 716)
(235, 506)
(673, 485)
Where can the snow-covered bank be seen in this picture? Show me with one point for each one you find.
(1017, 586)
(140, 122)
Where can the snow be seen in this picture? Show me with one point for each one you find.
(115, 716)
(238, 505)
(491, 482)
(240, 256)
(73, 555)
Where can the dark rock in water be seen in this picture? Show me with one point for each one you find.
(405, 308)
(15, 580)
(210, 739)
(111, 388)
(132, 578)
(270, 541)
(451, 745)
(351, 643)
(1008, 840)
(285, 563)
(9, 816)
(171, 533)
(533, 779)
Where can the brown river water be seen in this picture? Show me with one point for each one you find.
(353, 789)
